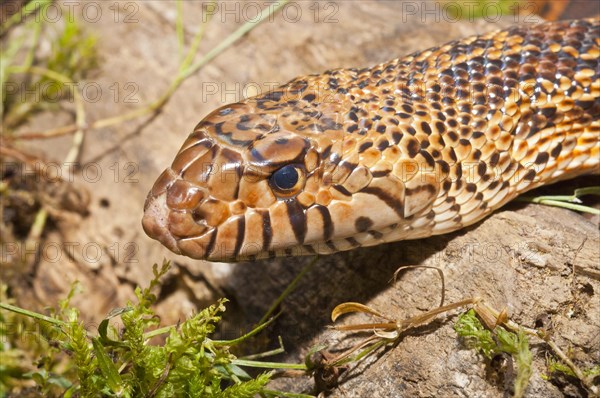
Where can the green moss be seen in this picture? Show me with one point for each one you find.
(500, 340)
(128, 363)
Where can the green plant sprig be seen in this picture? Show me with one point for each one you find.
(571, 202)
(125, 363)
(186, 69)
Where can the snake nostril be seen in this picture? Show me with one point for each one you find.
(183, 195)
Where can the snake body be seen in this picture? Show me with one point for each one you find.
(418, 146)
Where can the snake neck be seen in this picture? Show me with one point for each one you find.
(480, 121)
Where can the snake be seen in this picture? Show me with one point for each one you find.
(422, 145)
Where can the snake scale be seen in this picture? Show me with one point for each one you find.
(418, 146)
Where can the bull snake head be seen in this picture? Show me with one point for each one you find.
(279, 174)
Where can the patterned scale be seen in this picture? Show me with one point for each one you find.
(418, 146)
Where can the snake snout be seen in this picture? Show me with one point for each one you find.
(156, 222)
(179, 213)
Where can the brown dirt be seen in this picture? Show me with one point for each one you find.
(520, 259)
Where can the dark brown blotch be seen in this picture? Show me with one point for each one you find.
(362, 224)
(542, 158)
(364, 146)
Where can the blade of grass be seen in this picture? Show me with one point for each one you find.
(5, 68)
(567, 205)
(179, 28)
(12, 50)
(270, 353)
(275, 393)
(246, 336)
(80, 118)
(17, 17)
(288, 290)
(570, 202)
(269, 365)
(232, 38)
(179, 79)
(32, 314)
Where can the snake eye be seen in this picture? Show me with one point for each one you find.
(288, 180)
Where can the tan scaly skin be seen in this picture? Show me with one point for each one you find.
(422, 145)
